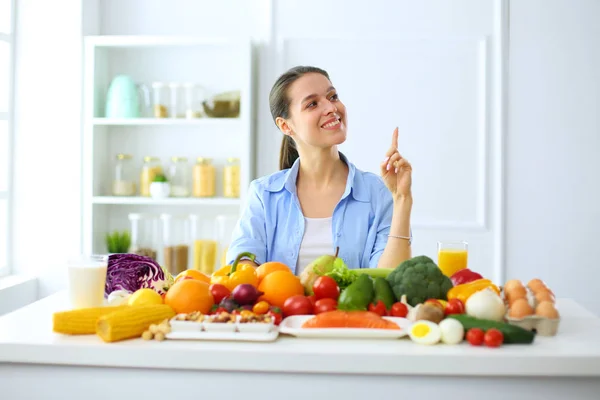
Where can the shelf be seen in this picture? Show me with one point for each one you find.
(171, 201)
(164, 121)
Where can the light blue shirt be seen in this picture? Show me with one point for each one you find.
(272, 224)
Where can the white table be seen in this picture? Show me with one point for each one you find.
(38, 364)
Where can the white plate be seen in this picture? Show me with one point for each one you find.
(232, 336)
(187, 326)
(293, 326)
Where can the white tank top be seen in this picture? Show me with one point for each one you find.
(316, 242)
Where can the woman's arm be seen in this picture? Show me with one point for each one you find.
(397, 249)
(250, 233)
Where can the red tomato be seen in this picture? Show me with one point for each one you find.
(297, 305)
(313, 300)
(219, 292)
(475, 336)
(378, 308)
(275, 313)
(493, 338)
(454, 306)
(399, 310)
(324, 305)
(325, 287)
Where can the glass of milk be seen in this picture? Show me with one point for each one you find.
(87, 278)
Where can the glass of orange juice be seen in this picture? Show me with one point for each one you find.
(452, 257)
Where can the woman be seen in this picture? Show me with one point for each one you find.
(319, 201)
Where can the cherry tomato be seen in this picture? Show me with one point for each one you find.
(297, 305)
(325, 287)
(324, 305)
(399, 310)
(275, 313)
(493, 338)
(454, 306)
(261, 307)
(475, 336)
(313, 299)
(219, 292)
(378, 308)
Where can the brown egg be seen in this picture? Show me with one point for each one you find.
(544, 295)
(518, 292)
(513, 283)
(511, 297)
(546, 309)
(535, 285)
(520, 308)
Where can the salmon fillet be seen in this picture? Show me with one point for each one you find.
(349, 319)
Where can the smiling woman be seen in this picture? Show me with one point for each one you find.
(320, 201)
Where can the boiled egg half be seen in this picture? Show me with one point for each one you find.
(425, 332)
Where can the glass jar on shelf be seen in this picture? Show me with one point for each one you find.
(177, 106)
(194, 96)
(231, 178)
(179, 176)
(150, 169)
(224, 226)
(205, 245)
(160, 100)
(204, 178)
(176, 242)
(124, 179)
(144, 235)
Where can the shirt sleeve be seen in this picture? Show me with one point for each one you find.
(382, 222)
(250, 234)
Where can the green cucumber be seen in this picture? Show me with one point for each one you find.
(512, 334)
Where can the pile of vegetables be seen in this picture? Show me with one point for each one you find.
(130, 272)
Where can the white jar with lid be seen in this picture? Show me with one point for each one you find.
(179, 177)
(160, 100)
(123, 183)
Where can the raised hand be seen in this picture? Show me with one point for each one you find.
(396, 171)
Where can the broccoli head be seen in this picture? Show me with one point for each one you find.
(419, 278)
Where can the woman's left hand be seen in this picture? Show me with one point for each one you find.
(396, 171)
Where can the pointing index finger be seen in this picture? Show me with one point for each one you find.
(395, 139)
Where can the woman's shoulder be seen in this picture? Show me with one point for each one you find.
(271, 182)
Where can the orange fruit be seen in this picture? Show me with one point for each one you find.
(189, 295)
(268, 267)
(194, 274)
(278, 286)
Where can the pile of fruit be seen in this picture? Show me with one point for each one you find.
(446, 309)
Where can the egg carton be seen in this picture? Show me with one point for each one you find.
(541, 325)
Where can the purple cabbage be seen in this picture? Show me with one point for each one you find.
(132, 272)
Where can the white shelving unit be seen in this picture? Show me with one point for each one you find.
(218, 65)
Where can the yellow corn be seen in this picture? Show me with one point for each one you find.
(132, 321)
(81, 321)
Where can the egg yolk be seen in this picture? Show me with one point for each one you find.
(421, 330)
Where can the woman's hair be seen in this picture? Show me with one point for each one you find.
(279, 103)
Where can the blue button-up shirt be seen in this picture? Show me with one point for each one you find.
(272, 224)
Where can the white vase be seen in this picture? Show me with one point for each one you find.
(160, 190)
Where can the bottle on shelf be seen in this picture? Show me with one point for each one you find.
(160, 100)
(176, 242)
(179, 176)
(204, 178)
(194, 97)
(124, 182)
(144, 235)
(231, 178)
(150, 169)
(205, 245)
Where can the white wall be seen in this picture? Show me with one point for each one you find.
(47, 185)
(553, 107)
(553, 168)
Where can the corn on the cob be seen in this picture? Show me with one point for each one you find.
(81, 321)
(132, 321)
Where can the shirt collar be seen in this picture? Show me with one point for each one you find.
(355, 184)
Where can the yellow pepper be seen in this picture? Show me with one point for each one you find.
(464, 291)
(232, 275)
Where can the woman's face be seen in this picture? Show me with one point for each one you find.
(317, 116)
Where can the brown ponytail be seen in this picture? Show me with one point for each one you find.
(279, 103)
